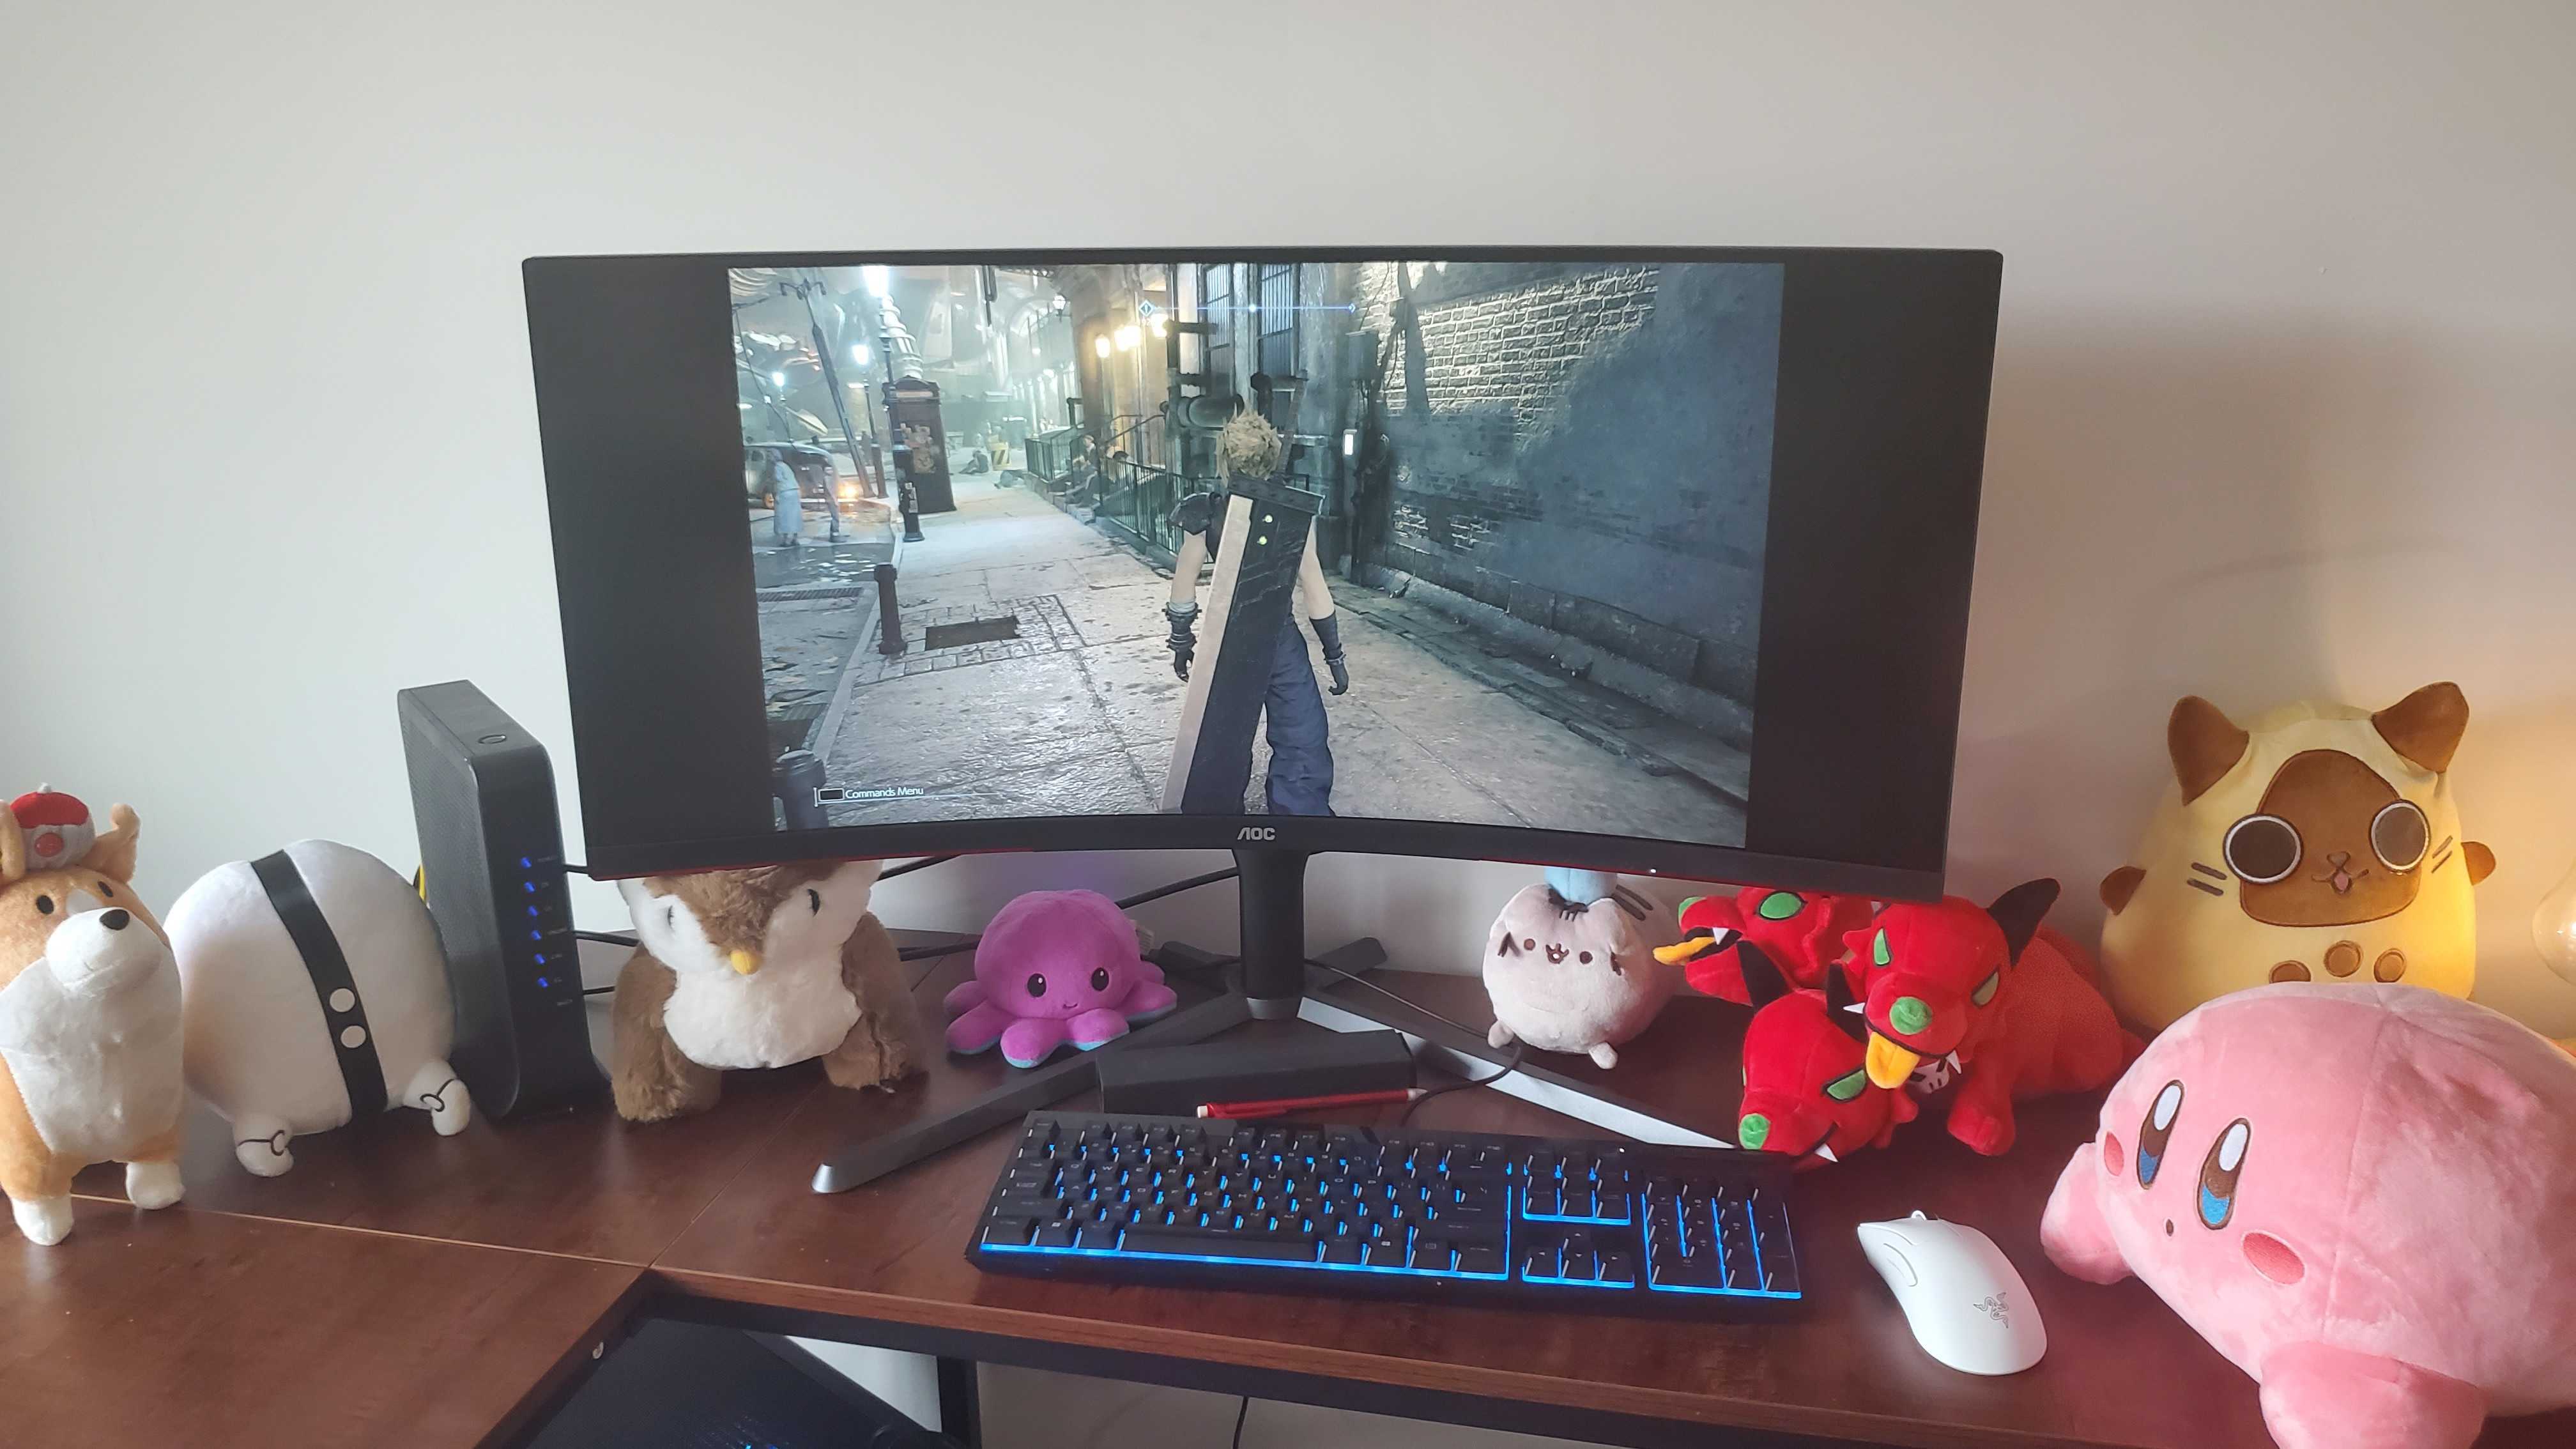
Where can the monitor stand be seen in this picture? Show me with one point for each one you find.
(1271, 979)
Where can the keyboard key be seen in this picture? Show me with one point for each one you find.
(1221, 1245)
(1618, 1268)
(1480, 1260)
(1055, 1235)
(1384, 1253)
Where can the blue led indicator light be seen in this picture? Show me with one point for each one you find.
(525, 862)
(541, 981)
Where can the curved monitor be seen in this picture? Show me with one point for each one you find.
(1646, 559)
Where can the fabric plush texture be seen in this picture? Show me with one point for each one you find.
(89, 1027)
(1576, 976)
(1807, 1092)
(1801, 933)
(1055, 968)
(2317, 842)
(260, 1039)
(2008, 1004)
(2358, 1195)
(745, 969)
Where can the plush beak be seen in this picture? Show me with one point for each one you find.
(744, 962)
(1889, 1064)
(1701, 943)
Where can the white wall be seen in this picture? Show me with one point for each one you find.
(2282, 405)
(2283, 402)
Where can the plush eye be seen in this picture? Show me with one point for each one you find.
(1100, 979)
(1037, 983)
(814, 900)
(1780, 906)
(1986, 989)
(1847, 1086)
(670, 916)
(2398, 833)
(1529, 943)
(106, 890)
(1878, 951)
(2262, 848)
(1583, 958)
(2218, 1174)
(44, 905)
(2157, 1131)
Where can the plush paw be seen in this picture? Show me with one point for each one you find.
(1097, 1028)
(1604, 1055)
(437, 1090)
(977, 1030)
(1149, 1001)
(2315, 1397)
(1027, 1043)
(45, 1220)
(1986, 1127)
(1500, 1035)
(2072, 1230)
(261, 1149)
(153, 1184)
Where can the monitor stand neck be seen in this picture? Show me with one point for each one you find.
(1272, 892)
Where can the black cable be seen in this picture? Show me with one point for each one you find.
(575, 868)
(1505, 1070)
(607, 938)
(597, 990)
(1463, 1083)
(1176, 887)
(924, 953)
(1240, 1410)
(925, 863)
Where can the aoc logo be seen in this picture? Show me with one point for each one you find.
(1258, 832)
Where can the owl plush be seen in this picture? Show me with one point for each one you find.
(741, 969)
(2316, 842)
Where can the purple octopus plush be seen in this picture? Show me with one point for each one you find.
(1055, 967)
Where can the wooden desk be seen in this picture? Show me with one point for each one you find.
(399, 1288)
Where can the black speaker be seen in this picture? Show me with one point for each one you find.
(492, 870)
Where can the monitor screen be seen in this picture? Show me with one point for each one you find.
(1651, 560)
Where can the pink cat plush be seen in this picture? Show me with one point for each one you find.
(2359, 1195)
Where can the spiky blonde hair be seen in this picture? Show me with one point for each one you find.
(1249, 447)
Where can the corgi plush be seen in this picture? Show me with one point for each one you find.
(89, 1028)
(754, 968)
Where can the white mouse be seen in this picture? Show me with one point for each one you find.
(1967, 1306)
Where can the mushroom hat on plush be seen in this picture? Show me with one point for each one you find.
(2358, 1194)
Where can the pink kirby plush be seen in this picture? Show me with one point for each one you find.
(2359, 1195)
(1055, 967)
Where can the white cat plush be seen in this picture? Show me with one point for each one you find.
(1570, 965)
(316, 992)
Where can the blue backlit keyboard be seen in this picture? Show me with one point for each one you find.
(1465, 1217)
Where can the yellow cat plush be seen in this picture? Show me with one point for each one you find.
(2317, 843)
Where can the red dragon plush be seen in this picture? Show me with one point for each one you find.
(1807, 1094)
(2008, 1002)
(1800, 934)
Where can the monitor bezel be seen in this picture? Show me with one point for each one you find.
(1936, 665)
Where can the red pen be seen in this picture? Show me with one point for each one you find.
(1281, 1106)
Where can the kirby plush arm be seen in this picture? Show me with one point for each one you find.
(2316, 1397)
(2073, 1231)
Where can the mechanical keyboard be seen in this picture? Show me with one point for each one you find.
(1468, 1217)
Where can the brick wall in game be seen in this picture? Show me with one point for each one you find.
(1584, 448)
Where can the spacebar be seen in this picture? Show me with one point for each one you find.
(1219, 1245)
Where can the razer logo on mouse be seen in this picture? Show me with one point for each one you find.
(1995, 1308)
